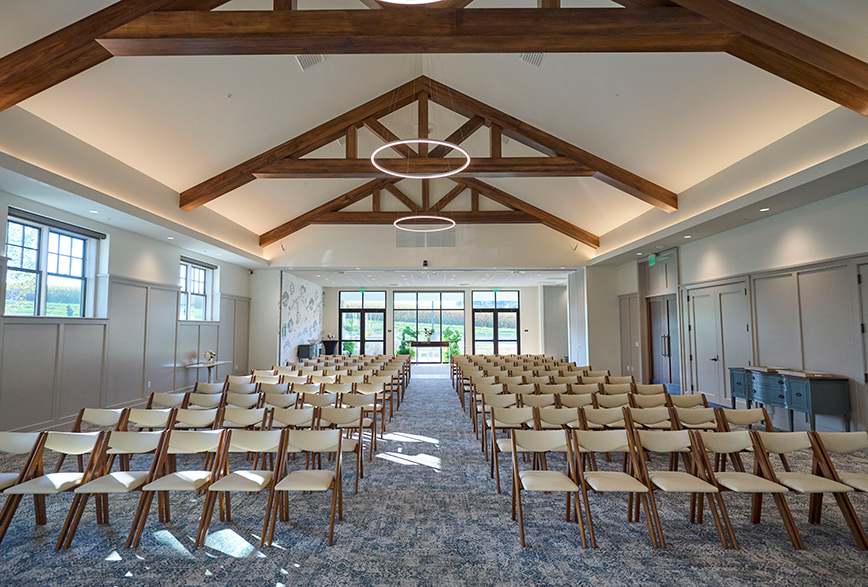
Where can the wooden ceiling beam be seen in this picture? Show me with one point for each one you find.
(550, 220)
(451, 195)
(72, 50)
(403, 198)
(299, 146)
(289, 168)
(484, 217)
(461, 134)
(379, 129)
(790, 54)
(442, 5)
(493, 30)
(342, 201)
(548, 144)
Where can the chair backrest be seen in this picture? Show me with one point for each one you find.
(203, 400)
(649, 389)
(510, 417)
(489, 388)
(102, 417)
(194, 441)
(293, 379)
(523, 388)
(319, 400)
(323, 378)
(282, 387)
(286, 371)
(566, 378)
(17, 443)
(243, 441)
(540, 440)
(601, 440)
(478, 380)
(370, 388)
(537, 401)
(647, 416)
(167, 400)
(558, 416)
(244, 417)
(648, 401)
(541, 379)
(592, 379)
(263, 372)
(612, 401)
(584, 388)
(196, 418)
(313, 441)
(687, 401)
(351, 379)
(749, 417)
(783, 442)
(266, 378)
(243, 387)
(598, 373)
(600, 416)
(843, 442)
(153, 418)
(239, 378)
(499, 400)
(693, 417)
(71, 443)
(664, 441)
(576, 401)
(615, 388)
(128, 443)
(293, 417)
(202, 387)
(553, 388)
(337, 387)
(507, 379)
(329, 416)
(305, 388)
(618, 380)
(726, 442)
(280, 400)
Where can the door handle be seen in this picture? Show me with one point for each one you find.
(714, 359)
(662, 345)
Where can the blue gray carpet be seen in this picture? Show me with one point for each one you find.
(428, 514)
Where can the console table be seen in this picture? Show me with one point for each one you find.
(309, 351)
(806, 395)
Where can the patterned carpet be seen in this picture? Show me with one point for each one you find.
(428, 514)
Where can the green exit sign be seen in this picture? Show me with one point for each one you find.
(652, 259)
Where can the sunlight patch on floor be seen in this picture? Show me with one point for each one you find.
(165, 538)
(404, 437)
(231, 543)
(411, 460)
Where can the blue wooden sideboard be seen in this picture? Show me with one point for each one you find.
(806, 395)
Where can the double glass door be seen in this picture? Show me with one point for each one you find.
(362, 323)
(495, 323)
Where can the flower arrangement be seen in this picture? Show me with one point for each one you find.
(210, 356)
(428, 332)
(329, 336)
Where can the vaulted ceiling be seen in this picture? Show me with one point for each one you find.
(635, 103)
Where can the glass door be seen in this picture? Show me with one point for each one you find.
(362, 322)
(496, 323)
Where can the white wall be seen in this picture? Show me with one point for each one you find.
(628, 278)
(576, 315)
(602, 316)
(832, 228)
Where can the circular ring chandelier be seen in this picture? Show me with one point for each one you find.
(410, 2)
(452, 146)
(441, 222)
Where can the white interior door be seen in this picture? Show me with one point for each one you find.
(706, 344)
(736, 349)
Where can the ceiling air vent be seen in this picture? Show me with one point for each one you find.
(308, 61)
(534, 59)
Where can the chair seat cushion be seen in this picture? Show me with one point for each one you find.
(180, 481)
(614, 481)
(243, 481)
(858, 481)
(680, 482)
(117, 482)
(807, 483)
(47, 484)
(306, 481)
(747, 483)
(7, 480)
(546, 481)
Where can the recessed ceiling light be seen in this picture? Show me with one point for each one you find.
(639, 254)
(94, 211)
(563, 267)
(764, 209)
(171, 238)
(687, 236)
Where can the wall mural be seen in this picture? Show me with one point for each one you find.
(301, 306)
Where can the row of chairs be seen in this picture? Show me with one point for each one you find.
(703, 477)
(219, 452)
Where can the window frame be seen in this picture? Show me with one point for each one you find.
(363, 314)
(495, 311)
(440, 309)
(186, 294)
(46, 227)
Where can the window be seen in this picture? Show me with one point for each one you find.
(495, 323)
(362, 318)
(440, 313)
(195, 279)
(49, 266)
